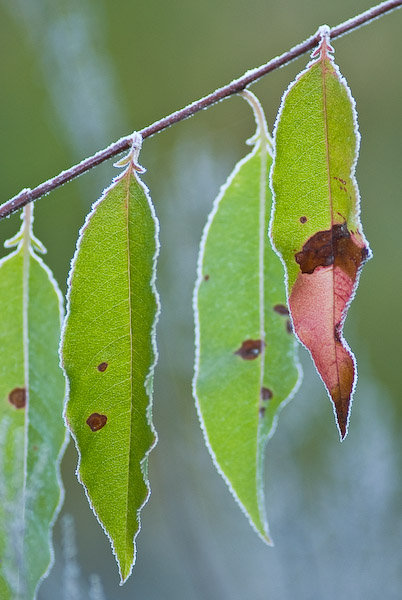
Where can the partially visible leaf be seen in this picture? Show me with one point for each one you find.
(316, 226)
(245, 354)
(109, 355)
(32, 431)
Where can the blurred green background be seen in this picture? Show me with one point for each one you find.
(76, 76)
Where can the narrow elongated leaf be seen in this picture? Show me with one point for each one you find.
(32, 432)
(109, 355)
(316, 226)
(245, 354)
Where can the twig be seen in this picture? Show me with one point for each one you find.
(27, 195)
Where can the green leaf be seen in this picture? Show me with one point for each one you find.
(245, 354)
(109, 353)
(316, 226)
(32, 431)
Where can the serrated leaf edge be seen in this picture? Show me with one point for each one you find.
(324, 31)
(129, 171)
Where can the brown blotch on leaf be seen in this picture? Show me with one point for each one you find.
(289, 327)
(262, 411)
(102, 367)
(206, 277)
(281, 309)
(303, 219)
(332, 247)
(337, 332)
(96, 421)
(18, 397)
(266, 393)
(250, 349)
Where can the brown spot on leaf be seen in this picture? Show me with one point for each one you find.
(266, 393)
(250, 349)
(289, 327)
(303, 219)
(262, 411)
(337, 332)
(17, 397)
(332, 247)
(96, 421)
(281, 309)
(206, 277)
(103, 366)
(341, 180)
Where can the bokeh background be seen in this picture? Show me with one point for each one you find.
(77, 75)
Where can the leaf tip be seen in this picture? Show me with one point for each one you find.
(342, 426)
(261, 528)
(125, 572)
(268, 541)
(342, 413)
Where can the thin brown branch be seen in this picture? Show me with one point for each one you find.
(28, 195)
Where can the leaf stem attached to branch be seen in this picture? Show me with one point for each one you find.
(28, 195)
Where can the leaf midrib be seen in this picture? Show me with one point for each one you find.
(324, 70)
(262, 217)
(26, 254)
(127, 210)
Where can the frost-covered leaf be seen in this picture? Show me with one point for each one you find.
(316, 226)
(32, 431)
(245, 358)
(108, 353)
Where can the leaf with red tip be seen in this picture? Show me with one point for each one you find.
(316, 226)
